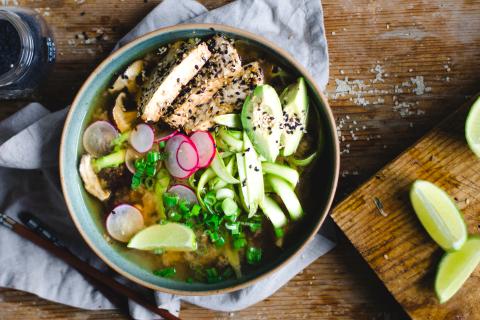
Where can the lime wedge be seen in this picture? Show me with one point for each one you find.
(455, 268)
(438, 215)
(472, 128)
(170, 237)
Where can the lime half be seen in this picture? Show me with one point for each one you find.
(456, 267)
(472, 128)
(169, 236)
(438, 215)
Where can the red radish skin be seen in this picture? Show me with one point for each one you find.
(184, 192)
(164, 134)
(171, 162)
(123, 222)
(206, 148)
(187, 156)
(142, 137)
(98, 137)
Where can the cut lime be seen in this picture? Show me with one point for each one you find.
(472, 128)
(170, 237)
(438, 215)
(456, 267)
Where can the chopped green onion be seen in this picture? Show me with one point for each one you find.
(140, 164)
(218, 207)
(229, 206)
(279, 233)
(153, 156)
(227, 273)
(184, 207)
(195, 210)
(174, 216)
(170, 200)
(220, 242)
(166, 272)
(255, 226)
(212, 275)
(150, 170)
(234, 227)
(210, 199)
(254, 255)
(239, 242)
(149, 182)
(213, 221)
(136, 181)
(162, 144)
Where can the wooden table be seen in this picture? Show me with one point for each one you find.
(397, 68)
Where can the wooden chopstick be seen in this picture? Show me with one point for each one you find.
(82, 266)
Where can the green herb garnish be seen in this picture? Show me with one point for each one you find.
(254, 255)
(165, 272)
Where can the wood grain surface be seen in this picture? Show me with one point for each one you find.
(397, 69)
(394, 243)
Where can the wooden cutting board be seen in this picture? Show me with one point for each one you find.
(392, 240)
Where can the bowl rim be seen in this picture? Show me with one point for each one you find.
(244, 34)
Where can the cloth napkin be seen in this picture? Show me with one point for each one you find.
(29, 177)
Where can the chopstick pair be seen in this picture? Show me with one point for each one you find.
(107, 285)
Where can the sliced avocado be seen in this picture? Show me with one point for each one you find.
(261, 119)
(295, 111)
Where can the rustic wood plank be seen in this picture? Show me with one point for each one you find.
(396, 246)
(421, 36)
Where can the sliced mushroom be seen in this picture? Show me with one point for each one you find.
(123, 119)
(128, 79)
(90, 179)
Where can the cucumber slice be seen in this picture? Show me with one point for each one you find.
(254, 176)
(273, 211)
(282, 171)
(219, 168)
(242, 174)
(438, 215)
(455, 268)
(288, 196)
(231, 120)
(234, 144)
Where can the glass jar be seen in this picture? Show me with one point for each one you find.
(27, 52)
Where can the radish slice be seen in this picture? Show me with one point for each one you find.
(98, 137)
(123, 222)
(205, 144)
(164, 134)
(130, 156)
(171, 163)
(187, 156)
(141, 138)
(184, 192)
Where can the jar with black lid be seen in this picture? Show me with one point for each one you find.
(27, 52)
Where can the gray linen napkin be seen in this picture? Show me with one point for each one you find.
(29, 179)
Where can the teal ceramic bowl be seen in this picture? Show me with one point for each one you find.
(85, 210)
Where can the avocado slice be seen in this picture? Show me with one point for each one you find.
(295, 111)
(261, 119)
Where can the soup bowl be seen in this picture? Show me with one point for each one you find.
(86, 211)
